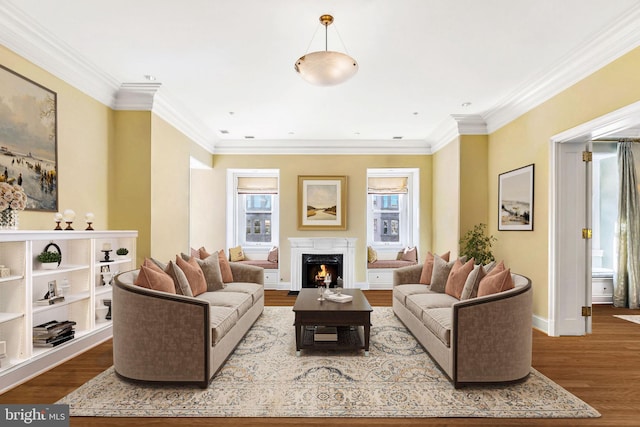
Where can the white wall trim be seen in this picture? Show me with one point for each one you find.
(319, 147)
(540, 323)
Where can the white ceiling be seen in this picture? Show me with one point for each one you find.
(228, 64)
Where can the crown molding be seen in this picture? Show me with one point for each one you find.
(30, 40)
(136, 96)
(456, 125)
(591, 56)
(322, 147)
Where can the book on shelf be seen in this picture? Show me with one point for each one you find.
(53, 325)
(325, 333)
(51, 338)
(50, 301)
(55, 342)
(52, 334)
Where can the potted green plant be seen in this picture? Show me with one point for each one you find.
(122, 252)
(49, 260)
(477, 244)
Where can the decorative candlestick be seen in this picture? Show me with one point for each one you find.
(57, 218)
(106, 255)
(89, 217)
(69, 215)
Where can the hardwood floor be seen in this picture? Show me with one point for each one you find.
(602, 369)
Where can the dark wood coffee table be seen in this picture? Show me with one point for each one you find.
(353, 320)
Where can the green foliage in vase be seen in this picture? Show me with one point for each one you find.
(47, 256)
(476, 244)
(122, 251)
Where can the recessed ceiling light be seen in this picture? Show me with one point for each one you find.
(231, 113)
(356, 133)
(397, 137)
(249, 137)
(291, 133)
(224, 131)
(466, 104)
(415, 113)
(150, 77)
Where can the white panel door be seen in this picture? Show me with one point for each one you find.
(571, 260)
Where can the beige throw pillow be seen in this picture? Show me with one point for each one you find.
(427, 267)
(441, 270)
(236, 254)
(212, 274)
(179, 279)
(470, 289)
(372, 255)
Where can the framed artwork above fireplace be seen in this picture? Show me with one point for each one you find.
(322, 202)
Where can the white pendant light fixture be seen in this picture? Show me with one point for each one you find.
(326, 68)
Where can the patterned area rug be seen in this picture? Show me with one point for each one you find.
(635, 318)
(264, 378)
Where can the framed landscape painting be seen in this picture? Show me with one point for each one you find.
(28, 139)
(515, 199)
(322, 202)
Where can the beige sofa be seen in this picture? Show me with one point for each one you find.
(165, 337)
(480, 340)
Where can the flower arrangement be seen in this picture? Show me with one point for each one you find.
(12, 197)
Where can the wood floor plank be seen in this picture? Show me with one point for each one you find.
(603, 369)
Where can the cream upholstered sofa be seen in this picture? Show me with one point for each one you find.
(159, 336)
(478, 340)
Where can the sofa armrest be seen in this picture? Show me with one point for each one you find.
(247, 273)
(159, 336)
(492, 337)
(407, 275)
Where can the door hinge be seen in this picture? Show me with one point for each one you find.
(586, 311)
(587, 156)
(587, 233)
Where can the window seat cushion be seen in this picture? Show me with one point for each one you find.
(390, 263)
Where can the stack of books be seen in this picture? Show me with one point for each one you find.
(53, 333)
(325, 333)
(50, 301)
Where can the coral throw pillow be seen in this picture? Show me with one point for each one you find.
(152, 279)
(203, 253)
(273, 254)
(458, 277)
(195, 276)
(427, 268)
(495, 282)
(225, 268)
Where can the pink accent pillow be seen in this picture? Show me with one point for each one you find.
(225, 268)
(195, 253)
(494, 283)
(458, 277)
(427, 267)
(273, 254)
(203, 253)
(410, 254)
(152, 279)
(194, 274)
(152, 265)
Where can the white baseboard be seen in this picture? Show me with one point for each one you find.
(541, 323)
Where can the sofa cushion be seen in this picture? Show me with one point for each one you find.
(225, 269)
(417, 303)
(222, 320)
(156, 280)
(458, 277)
(179, 279)
(194, 274)
(236, 254)
(256, 291)
(237, 300)
(438, 321)
(427, 267)
(494, 283)
(211, 268)
(441, 270)
(401, 292)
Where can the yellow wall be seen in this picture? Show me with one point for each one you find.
(354, 167)
(84, 131)
(446, 194)
(526, 140)
(474, 191)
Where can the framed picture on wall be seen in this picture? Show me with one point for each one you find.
(515, 199)
(28, 142)
(322, 202)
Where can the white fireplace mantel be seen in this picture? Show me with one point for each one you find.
(323, 245)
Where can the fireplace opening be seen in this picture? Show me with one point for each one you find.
(320, 269)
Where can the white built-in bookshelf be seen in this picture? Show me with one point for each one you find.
(81, 279)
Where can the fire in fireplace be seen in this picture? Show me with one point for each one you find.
(318, 269)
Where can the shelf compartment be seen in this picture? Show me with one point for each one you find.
(8, 317)
(60, 270)
(68, 299)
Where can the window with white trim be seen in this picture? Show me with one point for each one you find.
(253, 208)
(392, 208)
